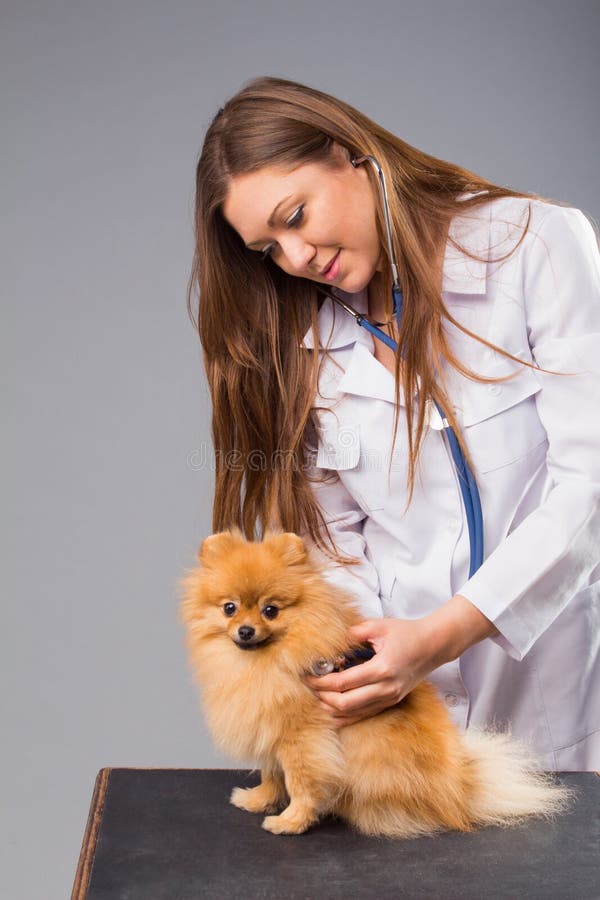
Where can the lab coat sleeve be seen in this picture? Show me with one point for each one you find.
(553, 553)
(344, 518)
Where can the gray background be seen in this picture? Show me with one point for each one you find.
(106, 440)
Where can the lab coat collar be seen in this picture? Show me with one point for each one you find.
(460, 275)
(364, 376)
(336, 327)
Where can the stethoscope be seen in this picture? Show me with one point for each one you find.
(466, 481)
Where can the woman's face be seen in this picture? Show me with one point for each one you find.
(320, 218)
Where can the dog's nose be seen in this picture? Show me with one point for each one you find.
(245, 632)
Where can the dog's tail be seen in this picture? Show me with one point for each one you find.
(509, 785)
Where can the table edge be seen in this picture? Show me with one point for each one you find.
(90, 837)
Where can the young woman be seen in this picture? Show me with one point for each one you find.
(323, 429)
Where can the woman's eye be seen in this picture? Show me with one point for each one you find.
(291, 223)
(229, 608)
(296, 218)
(270, 612)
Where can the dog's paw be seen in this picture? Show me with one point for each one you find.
(254, 800)
(283, 824)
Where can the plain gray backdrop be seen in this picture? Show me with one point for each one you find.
(106, 443)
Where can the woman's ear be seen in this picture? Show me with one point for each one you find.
(340, 153)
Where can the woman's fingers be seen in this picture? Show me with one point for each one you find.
(370, 631)
(340, 720)
(348, 680)
(370, 687)
(348, 702)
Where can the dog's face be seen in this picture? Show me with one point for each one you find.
(250, 592)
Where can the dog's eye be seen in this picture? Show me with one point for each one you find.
(270, 612)
(229, 608)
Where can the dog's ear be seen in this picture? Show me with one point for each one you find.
(289, 546)
(216, 545)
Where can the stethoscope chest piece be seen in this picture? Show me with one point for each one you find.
(323, 665)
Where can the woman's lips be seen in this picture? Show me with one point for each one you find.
(334, 269)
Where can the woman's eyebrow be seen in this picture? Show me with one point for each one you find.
(271, 221)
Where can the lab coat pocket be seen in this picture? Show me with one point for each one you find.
(339, 447)
(342, 448)
(500, 421)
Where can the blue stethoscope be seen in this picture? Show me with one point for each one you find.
(468, 486)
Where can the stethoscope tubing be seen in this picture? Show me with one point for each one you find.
(466, 480)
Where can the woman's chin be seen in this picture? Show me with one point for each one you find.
(353, 282)
(353, 286)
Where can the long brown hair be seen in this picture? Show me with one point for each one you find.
(252, 316)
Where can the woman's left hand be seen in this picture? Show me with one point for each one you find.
(406, 651)
(404, 655)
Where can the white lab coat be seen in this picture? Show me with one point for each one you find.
(535, 445)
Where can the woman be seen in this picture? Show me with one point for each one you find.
(322, 430)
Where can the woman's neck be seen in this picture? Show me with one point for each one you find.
(379, 307)
(379, 312)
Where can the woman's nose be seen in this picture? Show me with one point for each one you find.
(298, 252)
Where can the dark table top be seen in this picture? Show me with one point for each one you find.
(171, 834)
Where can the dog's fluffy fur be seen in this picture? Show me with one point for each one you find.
(404, 772)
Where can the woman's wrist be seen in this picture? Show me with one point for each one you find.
(455, 627)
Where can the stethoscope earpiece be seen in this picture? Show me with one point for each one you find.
(356, 161)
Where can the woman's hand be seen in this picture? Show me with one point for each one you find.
(406, 651)
(403, 657)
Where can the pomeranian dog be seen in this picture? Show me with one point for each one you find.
(258, 616)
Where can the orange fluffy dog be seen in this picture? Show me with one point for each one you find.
(258, 615)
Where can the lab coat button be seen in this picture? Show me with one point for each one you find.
(451, 699)
(494, 389)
